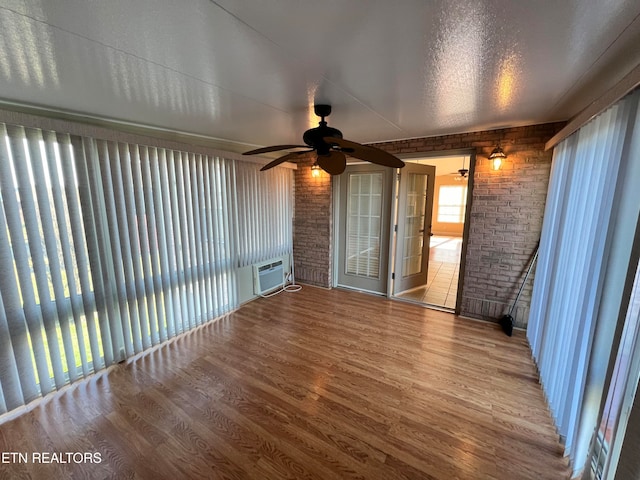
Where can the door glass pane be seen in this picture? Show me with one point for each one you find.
(621, 374)
(414, 224)
(364, 204)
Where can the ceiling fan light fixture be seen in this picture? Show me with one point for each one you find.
(462, 172)
(315, 170)
(330, 148)
(497, 157)
(462, 175)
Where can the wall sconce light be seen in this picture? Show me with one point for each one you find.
(315, 170)
(497, 157)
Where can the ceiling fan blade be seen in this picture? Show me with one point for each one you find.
(366, 152)
(273, 148)
(334, 163)
(284, 158)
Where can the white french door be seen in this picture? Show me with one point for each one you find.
(365, 214)
(415, 205)
(364, 227)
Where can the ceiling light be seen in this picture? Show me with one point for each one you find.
(462, 173)
(315, 170)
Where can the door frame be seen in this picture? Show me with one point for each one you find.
(471, 152)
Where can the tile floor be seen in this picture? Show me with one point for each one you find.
(442, 278)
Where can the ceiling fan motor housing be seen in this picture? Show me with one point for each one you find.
(322, 110)
(314, 136)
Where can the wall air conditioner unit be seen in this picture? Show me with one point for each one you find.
(268, 276)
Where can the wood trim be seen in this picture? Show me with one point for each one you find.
(623, 87)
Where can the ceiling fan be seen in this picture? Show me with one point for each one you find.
(331, 149)
(461, 174)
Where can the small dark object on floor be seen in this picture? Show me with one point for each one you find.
(506, 322)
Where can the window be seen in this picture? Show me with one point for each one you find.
(451, 203)
(363, 224)
(108, 248)
(587, 236)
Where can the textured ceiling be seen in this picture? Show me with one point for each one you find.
(247, 72)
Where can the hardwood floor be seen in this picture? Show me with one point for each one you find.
(315, 384)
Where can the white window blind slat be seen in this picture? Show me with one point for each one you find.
(210, 237)
(57, 307)
(199, 234)
(185, 245)
(9, 376)
(158, 246)
(254, 213)
(31, 217)
(167, 254)
(83, 297)
(108, 310)
(176, 239)
(23, 238)
(108, 171)
(95, 316)
(187, 237)
(153, 288)
(229, 205)
(196, 239)
(13, 318)
(146, 295)
(124, 270)
(71, 315)
(14, 359)
(204, 238)
(132, 263)
(149, 333)
(217, 233)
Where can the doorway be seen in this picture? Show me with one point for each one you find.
(400, 233)
(450, 195)
(441, 287)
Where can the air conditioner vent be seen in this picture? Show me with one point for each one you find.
(268, 276)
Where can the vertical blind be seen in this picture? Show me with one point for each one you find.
(574, 249)
(109, 248)
(265, 212)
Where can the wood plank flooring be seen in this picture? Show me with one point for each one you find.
(311, 385)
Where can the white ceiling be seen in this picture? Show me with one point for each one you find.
(247, 72)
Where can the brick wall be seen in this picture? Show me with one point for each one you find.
(312, 226)
(504, 225)
(506, 213)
